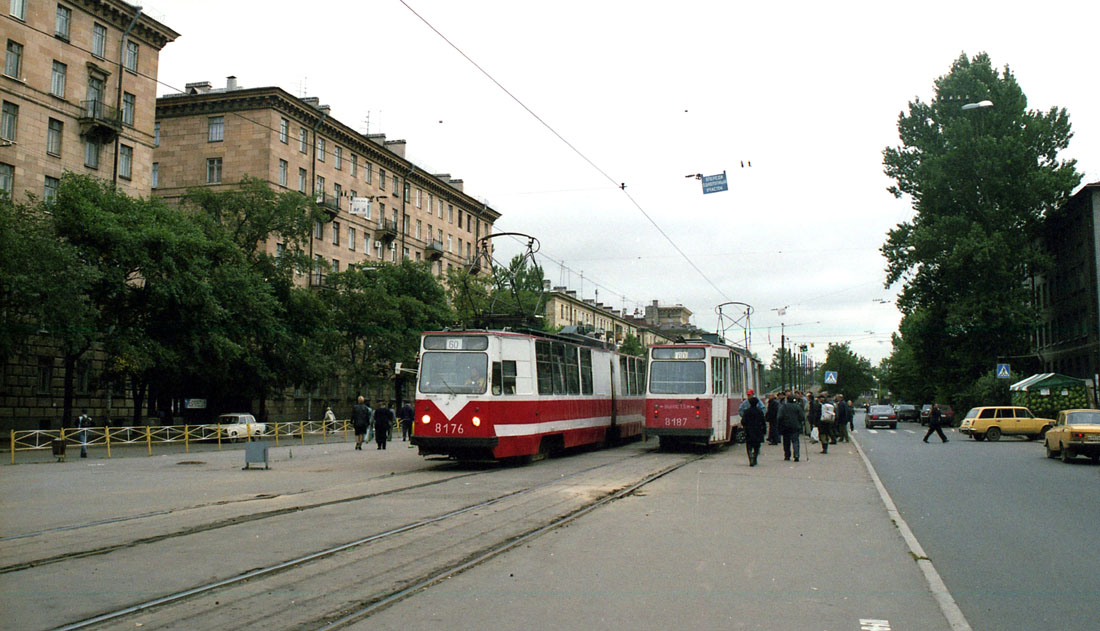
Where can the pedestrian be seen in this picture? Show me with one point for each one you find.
(935, 419)
(813, 417)
(83, 422)
(406, 415)
(329, 421)
(790, 419)
(844, 415)
(360, 418)
(383, 419)
(770, 416)
(752, 414)
(826, 424)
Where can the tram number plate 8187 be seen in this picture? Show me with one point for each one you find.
(676, 422)
(449, 428)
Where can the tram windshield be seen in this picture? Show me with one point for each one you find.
(453, 373)
(678, 377)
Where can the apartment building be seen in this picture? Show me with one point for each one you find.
(381, 205)
(565, 309)
(78, 93)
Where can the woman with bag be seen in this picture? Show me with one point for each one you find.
(825, 427)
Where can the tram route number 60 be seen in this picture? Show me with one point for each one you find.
(676, 422)
(449, 428)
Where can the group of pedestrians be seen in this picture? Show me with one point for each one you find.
(788, 415)
(381, 420)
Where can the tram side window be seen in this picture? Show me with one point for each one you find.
(641, 376)
(504, 377)
(718, 384)
(624, 379)
(572, 370)
(544, 366)
(586, 371)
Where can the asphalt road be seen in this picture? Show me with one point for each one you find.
(1015, 536)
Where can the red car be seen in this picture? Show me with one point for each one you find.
(946, 413)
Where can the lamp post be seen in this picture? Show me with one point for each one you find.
(978, 105)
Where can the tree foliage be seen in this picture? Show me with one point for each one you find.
(980, 180)
(854, 373)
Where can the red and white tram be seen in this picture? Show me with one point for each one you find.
(499, 394)
(695, 389)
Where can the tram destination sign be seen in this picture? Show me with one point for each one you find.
(714, 183)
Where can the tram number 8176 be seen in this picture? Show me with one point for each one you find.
(449, 428)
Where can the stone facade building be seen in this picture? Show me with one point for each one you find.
(565, 309)
(212, 137)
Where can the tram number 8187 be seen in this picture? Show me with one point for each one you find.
(676, 422)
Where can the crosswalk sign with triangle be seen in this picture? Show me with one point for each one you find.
(1003, 371)
(830, 376)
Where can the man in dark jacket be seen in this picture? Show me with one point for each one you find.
(772, 412)
(383, 419)
(406, 415)
(813, 414)
(844, 415)
(790, 418)
(935, 419)
(360, 418)
(752, 419)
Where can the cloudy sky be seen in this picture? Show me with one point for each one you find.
(584, 96)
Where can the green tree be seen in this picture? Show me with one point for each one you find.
(980, 180)
(854, 372)
(632, 346)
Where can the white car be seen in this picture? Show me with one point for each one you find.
(240, 426)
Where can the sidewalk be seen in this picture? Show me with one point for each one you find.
(714, 545)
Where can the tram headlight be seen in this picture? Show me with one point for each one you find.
(476, 421)
(425, 419)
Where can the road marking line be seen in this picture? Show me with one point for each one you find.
(910, 431)
(947, 604)
(866, 624)
(872, 431)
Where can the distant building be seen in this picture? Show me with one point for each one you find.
(212, 137)
(671, 320)
(565, 309)
(78, 95)
(1067, 340)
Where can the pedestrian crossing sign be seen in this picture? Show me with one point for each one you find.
(830, 376)
(1003, 371)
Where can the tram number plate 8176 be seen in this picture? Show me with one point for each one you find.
(449, 428)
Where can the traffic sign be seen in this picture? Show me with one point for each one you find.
(1003, 371)
(830, 376)
(714, 183)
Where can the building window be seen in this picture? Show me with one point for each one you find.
(450, 242)
(303, 177)
(419, 227)
(318, 230)
(64, 20)
(419, 196)
(156, 174)
(213, 170)
(336, 233)
(335, 265)
(284, 167)
(131, 56)
(354, 165)
(366, 172)
(45, 375)
(156, 134)
(284, 131)
(125, 161)
(338, 157)
(57, 80)
(91, 154)
(382, 180)
(394, 189)
(351, 238)
(13, 63)
(7, 179)
(53, 137)
(450, 214)
(19, 9)
(337, 193)
(321, 149)
(303, 140)
(128, 102)
(320, 188)
(441, 209)
(215, 127)
(49, 191)
(99, 40)
(95, 96)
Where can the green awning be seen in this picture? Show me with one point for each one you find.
(1049, 380)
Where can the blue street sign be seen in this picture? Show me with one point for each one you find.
(830, 376)
(1003, 371)
(714, 183)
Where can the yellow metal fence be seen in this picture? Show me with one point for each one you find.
(108, 437)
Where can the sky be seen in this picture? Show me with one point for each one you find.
(545, 110)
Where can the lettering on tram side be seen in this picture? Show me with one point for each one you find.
(873, 625)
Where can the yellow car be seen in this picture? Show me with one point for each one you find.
(991, 422)
(1077, 433)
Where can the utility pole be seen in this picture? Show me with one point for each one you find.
(782, 358)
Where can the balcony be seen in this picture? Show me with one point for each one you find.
(329, 203)
(99, 122)
(387, 230)
(434, 250)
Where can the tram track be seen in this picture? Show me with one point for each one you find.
(391, 581)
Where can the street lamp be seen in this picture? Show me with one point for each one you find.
(979, 104)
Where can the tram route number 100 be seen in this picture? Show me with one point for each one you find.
(449, 428)
(676, 422)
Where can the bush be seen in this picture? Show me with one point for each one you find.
(987, 390)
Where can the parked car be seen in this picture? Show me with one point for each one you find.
(906, 412)
(947, 415)
(240, 426)
(1075, 433)
(881, 415)
(991, 422)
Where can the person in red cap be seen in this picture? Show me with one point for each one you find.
(752, 419)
